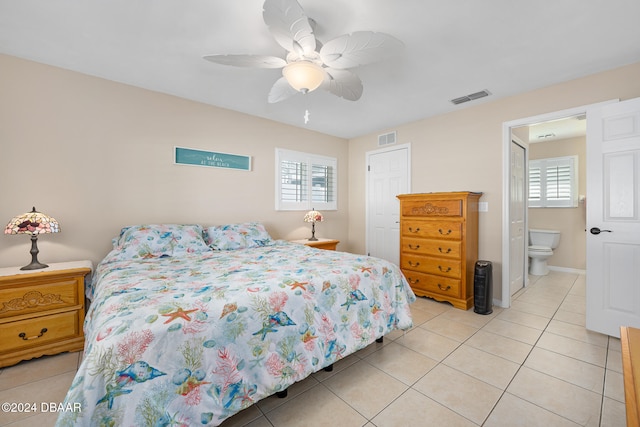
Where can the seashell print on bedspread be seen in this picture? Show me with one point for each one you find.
(192, 340)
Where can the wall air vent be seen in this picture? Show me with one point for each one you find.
(387, 138)
(471, 97)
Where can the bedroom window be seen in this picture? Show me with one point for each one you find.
(305, 181)
(553, 182)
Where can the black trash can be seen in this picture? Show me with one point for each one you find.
(483, 288)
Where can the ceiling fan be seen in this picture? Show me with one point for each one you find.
(309, 64)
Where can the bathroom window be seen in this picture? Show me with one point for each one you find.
(305, 181)
(553, 182)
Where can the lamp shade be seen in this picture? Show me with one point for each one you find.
(313, 216)
(303, 76)
(33, 222)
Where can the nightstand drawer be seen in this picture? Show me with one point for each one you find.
(37, 298)
(38, 330)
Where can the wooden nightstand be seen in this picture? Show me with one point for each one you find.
(41, 311)
(328, 244)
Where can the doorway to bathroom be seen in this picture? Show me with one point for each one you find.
(612, 214)
(555, 134)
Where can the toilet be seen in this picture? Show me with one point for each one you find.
(542, 243)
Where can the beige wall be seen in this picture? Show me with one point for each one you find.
(98, 155)
(571, 222)
(463, 150)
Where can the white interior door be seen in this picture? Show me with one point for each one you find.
(388, 174)
(613, 217)
(517, 218)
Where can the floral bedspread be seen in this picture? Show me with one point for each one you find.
(192, 340)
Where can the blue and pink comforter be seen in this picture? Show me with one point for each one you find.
(192, 340)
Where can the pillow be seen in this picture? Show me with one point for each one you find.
(140, 242)
(237, 236)
(159, 240)
(188, 239)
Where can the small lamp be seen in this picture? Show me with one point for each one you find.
(313, 216)
(33, 223)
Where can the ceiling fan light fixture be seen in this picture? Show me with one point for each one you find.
(303, 76)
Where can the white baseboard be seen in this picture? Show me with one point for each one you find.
(567, 270)
(498, 303)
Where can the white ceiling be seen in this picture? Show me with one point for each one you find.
(570, 127)
(452, 48)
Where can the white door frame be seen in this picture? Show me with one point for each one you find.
(368, 154)
(506, 182)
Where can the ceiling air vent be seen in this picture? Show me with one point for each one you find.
(387, 138)
(471, 97)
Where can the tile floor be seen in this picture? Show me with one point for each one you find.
(533, 364)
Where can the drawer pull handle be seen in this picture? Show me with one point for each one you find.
(444, 252)
(414, 231)
(24, 335)
(444, 270)
(414, 265)
(413, 282)
(443, 288)
(443, 233)
(414, 248)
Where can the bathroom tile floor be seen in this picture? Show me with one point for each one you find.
(533, 364)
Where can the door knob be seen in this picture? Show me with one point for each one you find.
(596, 230)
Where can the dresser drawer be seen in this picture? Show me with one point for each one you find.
(432, 284)
(35, 297)
(432, 229)
(440, 266)
(39, 330)
(432, 208)
(440, 248)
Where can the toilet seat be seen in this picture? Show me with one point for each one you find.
(540, 250)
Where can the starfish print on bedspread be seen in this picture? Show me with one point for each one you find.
(179, 313)
(296, 285)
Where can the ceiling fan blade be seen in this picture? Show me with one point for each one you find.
(359, 48)
(289, 25)
(343, 83)
(257, 61)
(280, 91)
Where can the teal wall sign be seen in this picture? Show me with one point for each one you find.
(189, 156)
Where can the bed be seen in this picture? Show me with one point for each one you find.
(189, 325)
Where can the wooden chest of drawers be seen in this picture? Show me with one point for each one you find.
(439, 244)
(42, 311)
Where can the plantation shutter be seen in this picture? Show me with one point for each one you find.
(553, 182)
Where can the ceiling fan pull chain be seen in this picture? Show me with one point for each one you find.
(306, 107)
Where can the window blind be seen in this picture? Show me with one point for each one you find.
(305, 181)
(553, 182)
